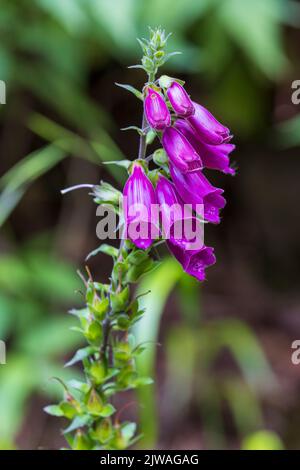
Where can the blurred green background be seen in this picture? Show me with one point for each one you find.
(223, 371)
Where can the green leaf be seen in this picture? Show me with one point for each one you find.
(50, 336)
(262, 440)
(241, 398)
(31, 167)
(128, 430)
(119, 269)
(122, 352)
(119, 300)
(151, 134)
(45, 370)
(123, 321)
(130, 88)
(160, 157)
(95, 403)
(246, 350)
(78, 422)
(80, 313)
(122, 163)
(140, 381)
(8, 201)
(68, 13)
(94, 332)
(95, 151)
(135, 272)
(107, 411)
(103, 431)
(106, 193)
(134, 128)
(255, 27)
(137, 257)
(7, 316)
(17, 180)
(97, 372)
(13, 395)
(54, 410)
(61, 137)
(80, 355)
(81, 441)
(106, 249)
(136, 66)
(52, 278)
(100, 307)
(160, 282)
(181, 341)
(79, 385)
(289, 132)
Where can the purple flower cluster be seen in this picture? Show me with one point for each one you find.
(193, 139)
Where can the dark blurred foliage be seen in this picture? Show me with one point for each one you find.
(224, 376)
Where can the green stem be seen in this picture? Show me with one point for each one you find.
(106, 326)
(143, 142)
(143, 138)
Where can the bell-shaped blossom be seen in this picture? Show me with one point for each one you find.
(178, 223)
(208, 128)
(141, 224)
(194, 262)
(194, 188)
(181, 153)
(180, 100)
(156, 110)
(215, 157)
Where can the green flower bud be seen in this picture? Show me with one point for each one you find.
(95, 403)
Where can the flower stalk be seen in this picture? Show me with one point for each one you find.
(111, 309)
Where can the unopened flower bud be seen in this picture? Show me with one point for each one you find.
(156, 110)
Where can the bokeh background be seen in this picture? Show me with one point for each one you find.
(223, 371)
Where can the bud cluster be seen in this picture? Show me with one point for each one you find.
(154, 51)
